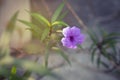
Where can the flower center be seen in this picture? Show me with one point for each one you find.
(71, 38)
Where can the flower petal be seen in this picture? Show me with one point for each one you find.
(75, 31)
(66, 31)
(66, 42)
(81, 39)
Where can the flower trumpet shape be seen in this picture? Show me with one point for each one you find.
(72, 37)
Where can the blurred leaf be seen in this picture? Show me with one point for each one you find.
(13, 75)
(13, 70)
(57, 13)
(33, 28)
(4, 71)
(64, 56)
(45, 33)
(61, 23)
(46, 59)
(109, 41)
(92, 46)
(29, 24)
(113, 48)
(41, 19)
(112, 35)
(93, 54)
(4, 44)
(98, 60)
(104, 64)
(102, 32)
(27, 74)
(25, 64)
(63, 15)
(11, 23)
(93, 36)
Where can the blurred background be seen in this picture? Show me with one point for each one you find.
(85, 14)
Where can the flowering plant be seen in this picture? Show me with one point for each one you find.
(47, 34)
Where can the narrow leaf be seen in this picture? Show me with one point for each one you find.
(45, 34)
(11, 23)
(104, 64)
(92, 46)
(112, 35)
(61, 23)
(41, 19)
(93, 36)
(33, 28)
(62, 15)
(46, 59)
(98, 60)
(26, 64)
(93, 54)
(28, 23)
(13, 70)
(57, 13)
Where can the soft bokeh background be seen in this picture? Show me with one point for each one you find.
(82, 13)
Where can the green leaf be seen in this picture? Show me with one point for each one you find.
(93, 36)
(92, 46)
(57, 13)
(11, 23)
(29, 24)
(13, 75)
(25, 64)
(112, 35)
(62, 15)
(27, 74)
(45, 34)
(93, 54)
(33, 28)
(61, 23)
(64, 56)
(102, 32)
(109, 41)
(46, 59)
(13, 70)
(41, 19)
(104, 64)
(98, 60)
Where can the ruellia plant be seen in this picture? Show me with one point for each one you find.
(104, 48)
(49, 32)
(10, 64)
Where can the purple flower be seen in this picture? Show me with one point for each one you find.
(72, 37)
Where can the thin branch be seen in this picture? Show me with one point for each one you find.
(47, 7)
(75, 15)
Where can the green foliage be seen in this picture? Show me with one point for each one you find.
(57, 13)
(45, 34)
(61, 23)
(33, 28)
(104, 46)
(41, 19)
(11, 23)
(9, 64)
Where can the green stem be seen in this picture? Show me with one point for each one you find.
(46, 55)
